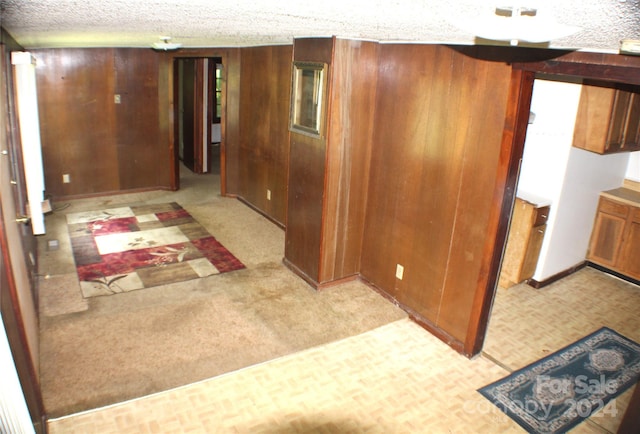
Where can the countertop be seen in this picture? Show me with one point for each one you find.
(626, 195)
(533, 199)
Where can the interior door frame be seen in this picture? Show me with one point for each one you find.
(174, 160)
(14, 193)
(604, 67)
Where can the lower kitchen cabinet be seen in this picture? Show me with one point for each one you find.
(526, 234)
(615, 239)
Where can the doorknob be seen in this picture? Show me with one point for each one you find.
(23, 219)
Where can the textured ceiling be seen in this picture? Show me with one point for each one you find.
(202, 23)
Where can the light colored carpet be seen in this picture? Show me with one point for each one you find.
(103, 350)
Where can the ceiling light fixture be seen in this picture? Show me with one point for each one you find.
(630, 46)
(165, 45)
(518, 24)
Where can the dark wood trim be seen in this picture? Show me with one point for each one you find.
(631, 419)
(174, 157)
(512, 149)
(259, 211)
(454, 343)
(199, 103)
(330, 283)
(541, 284)
(110, 193)
(223, 56)
(296, 270)
(12, 315)
(613, 273)
(608, 67)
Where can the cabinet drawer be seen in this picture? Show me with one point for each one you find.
(613, 208)
(541, 216)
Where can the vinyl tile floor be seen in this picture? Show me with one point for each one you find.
(397, 378)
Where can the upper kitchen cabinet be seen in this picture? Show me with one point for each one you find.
(608, 119)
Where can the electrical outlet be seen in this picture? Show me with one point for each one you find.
(268, 194)
(116, 98)
(66, 178)
(399, 271)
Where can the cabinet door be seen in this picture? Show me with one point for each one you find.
(631, 139)
(530, 261)
(618, 121)
(608, 119)
(630, 252)
(608, 230)
(594, 118)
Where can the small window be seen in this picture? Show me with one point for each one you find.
(218, 95)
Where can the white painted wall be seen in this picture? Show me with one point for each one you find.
(14, 414)
(216, 133)
(569, 179)
(633, 169)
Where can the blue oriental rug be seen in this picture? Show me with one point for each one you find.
(558, 392)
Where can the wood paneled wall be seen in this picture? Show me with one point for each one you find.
(103, 146)
(329, 175)
(440, 117)
(306, 179)
(350, 138)
(263, 154)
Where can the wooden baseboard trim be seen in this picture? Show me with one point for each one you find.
(318, 286)
(429, 326)
(261, 212)
(614, 273)
(541, 284)
(340, 281)
(298, 272)
(108, 193)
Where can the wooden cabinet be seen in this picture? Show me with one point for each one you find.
(630, 252)
(608, 230)
(526, 234)
(615, 240)
(608, 119)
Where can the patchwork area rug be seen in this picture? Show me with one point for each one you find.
(134, 247)
(558, 392)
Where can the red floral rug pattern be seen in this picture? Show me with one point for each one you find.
(122, 249)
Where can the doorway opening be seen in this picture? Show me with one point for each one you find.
(198, 115)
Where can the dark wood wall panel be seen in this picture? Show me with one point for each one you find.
(304, 217)
(140, 120)
(265, 89)
(231, 123)
(472, 230)
(77, 120)
(306, 179)
(437, 139)
(353, 79)
(104, 146)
